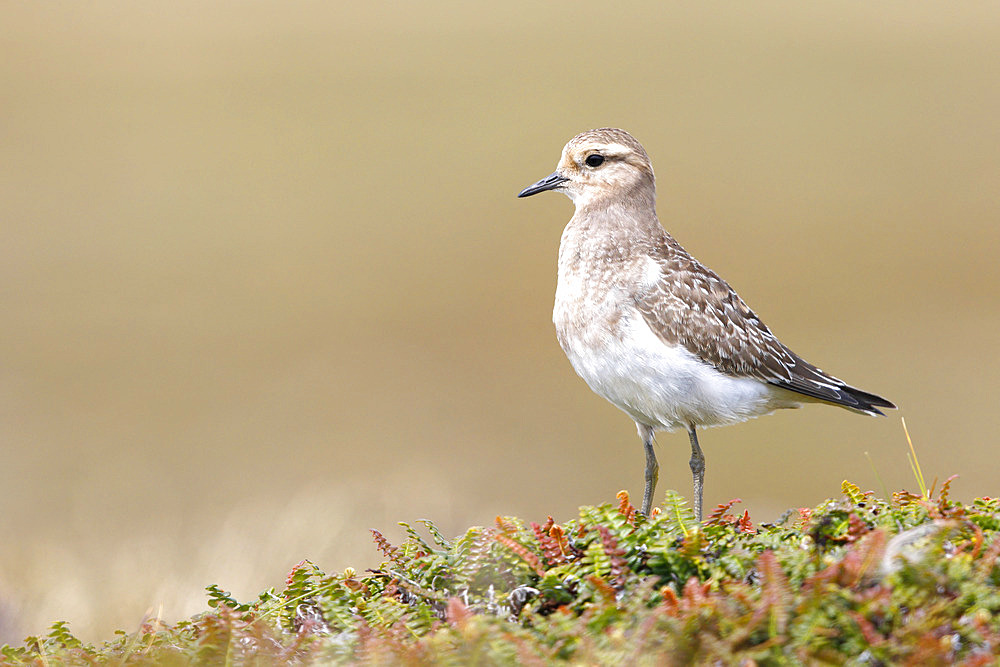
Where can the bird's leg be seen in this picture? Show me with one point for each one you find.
(652, 468)
(697, 469)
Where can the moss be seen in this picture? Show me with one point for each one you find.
(856, 580)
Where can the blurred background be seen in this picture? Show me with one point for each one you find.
(265, 283)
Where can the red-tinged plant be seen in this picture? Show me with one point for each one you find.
(625, 507)
(670, 603)
(557, 533)
(861, 561)
(744, 524)
(529, 557)
(856, 528)
(457, 613)
(946, 489)
(696, 592)
(389, 551)
(600, 589)
(868, 630)
(553, 551)
(616, 554)
(905, 498)
(775, 592)
(719, 515)
(606, 590)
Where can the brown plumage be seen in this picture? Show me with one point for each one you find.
(693, 307)
(650, 328)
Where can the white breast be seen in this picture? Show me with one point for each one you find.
(612, 348)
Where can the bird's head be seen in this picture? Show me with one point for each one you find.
(600, 166)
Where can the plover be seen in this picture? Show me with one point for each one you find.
(649, 327)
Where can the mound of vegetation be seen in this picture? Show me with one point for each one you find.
(859, 579)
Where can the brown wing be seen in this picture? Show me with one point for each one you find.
(693, 307)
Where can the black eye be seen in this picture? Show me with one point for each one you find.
(594, 160)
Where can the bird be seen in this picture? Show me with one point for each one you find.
(653, 330)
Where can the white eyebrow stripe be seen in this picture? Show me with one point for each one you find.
(611, 150)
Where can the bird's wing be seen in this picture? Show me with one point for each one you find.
(693, 307)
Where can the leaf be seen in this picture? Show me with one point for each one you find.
(458, 614)
(389, 551)
(776, 592)
(601, 586)
(852, 492)
(416, 539)
(553, 550)
(615, 554)
(945, 489)
(526, 555)
(625, 507)
(677, 513)
(439, 538)
(718, 516)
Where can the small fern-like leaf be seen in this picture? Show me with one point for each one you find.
(744, 524)
(389, 551)
(478, 543)
(526, 554)
(776, 592)
(552, 550)
(852, 492)
(945, 490)
(718, 517)
(439, 539)
(615, 554)
(677, 513)
(625, 508)
(415, 539)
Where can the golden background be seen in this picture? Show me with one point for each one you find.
(265, 283)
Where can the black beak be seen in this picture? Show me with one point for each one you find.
(550, 182)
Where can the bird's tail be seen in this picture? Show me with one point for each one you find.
(864, 401)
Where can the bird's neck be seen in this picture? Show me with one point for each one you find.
(632, 217)
(616, 231)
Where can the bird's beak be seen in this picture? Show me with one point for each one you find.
(550, 182)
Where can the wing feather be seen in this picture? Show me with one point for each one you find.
(693, 307)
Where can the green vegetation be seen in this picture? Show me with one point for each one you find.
(857, 580)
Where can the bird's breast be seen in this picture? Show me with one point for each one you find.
(590, 302)
(612, 347)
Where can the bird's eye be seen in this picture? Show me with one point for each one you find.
(594, 160)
